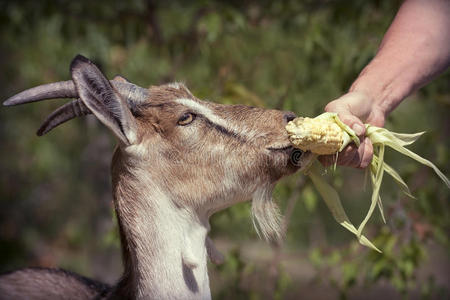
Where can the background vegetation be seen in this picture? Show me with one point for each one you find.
(55, 199)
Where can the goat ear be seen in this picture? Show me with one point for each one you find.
(102, 99)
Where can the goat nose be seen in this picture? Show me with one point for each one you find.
(289, 116)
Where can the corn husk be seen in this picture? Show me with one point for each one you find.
(380, 138)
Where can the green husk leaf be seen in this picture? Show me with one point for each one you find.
(380, 209)
(376, 188)
(379, 203)
(421, 160)
(380, 137)
(407, 139)
(347, 129)
(326, 115)
(398, 179)
(333, 202)
(403, 139)
(383, 136)
(372, 169)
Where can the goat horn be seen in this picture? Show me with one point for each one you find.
(134, 94)
(62, 89)
(68, 111)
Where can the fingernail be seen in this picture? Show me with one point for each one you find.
(358, 129)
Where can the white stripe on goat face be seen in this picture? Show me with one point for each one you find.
(198, 107)
(209, 114)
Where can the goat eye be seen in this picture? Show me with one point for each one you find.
(186, 119)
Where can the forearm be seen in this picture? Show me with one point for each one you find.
(415, 49)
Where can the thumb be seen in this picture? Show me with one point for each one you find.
(348, 118)
(354, 123)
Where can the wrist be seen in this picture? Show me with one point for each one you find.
(383, 87)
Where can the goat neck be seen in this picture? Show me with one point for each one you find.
(163, 244)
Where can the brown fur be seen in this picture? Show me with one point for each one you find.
(190, 169)
(228, 154)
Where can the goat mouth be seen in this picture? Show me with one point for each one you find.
(295, 157)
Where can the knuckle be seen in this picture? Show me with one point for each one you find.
(331, 107)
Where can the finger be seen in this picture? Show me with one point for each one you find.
(367, 154)
(376, 117)
(354, 123)
(363, 156)
(349, 156)
(347, 116)
(344, 158)
(358, 155)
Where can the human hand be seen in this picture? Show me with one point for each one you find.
(355, 109)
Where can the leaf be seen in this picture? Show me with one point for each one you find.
(347, 129)
(396, 141)
(403, 139)
(420, 159)
(376, 188)
(372, 170)
(380, 137)
(407, 139)
(333, 202)
(400, 182)
(380, 209)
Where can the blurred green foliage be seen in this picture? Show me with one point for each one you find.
(293, 55)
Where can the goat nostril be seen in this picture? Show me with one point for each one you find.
(289, 116)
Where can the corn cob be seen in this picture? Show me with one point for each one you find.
(318, 137)
(321, 135)
(326, 134)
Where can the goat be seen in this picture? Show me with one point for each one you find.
(178, 160)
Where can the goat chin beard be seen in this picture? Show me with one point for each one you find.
(266, 215)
